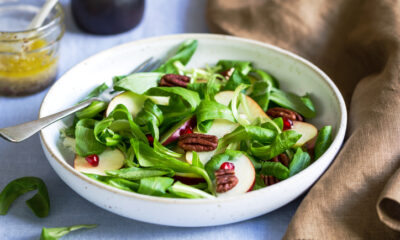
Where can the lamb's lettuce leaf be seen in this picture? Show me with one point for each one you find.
(300, 161)
(136, 173)
(243, 67)
(291, 101)
(86, 143)
(183, 55)
(324, 140)
(56, 233)
(210, 110)
(155, 186)
(187, 191)
(138, 82)
(275, 169)
(282, 142)
(39, 203)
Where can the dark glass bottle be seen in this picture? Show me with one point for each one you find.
(107, 16)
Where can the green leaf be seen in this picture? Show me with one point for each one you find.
(183, 55)
(259, 183)
(56, 233)
(150, 113)
(138, 82)
(186, 191)
(135, 173)
(249, 132)
(155, 186)
(275, 169)
(86, 143)
(147, 157)
(260, 93)
(210, 110)
(235, 80)
(92, 110)
(191, 98)
(308, 102)
(196, 160)
(300, 161)
(243, 67)
(324, 140)
(39, 203)
(116, 182)
(265, 77)
(96, 92)
(105, 135)
(281, 143)
(291, 101)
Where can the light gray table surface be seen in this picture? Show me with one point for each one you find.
(161, 17)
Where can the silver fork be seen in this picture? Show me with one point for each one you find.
(23, 131)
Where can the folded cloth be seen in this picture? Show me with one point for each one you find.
(357, 43)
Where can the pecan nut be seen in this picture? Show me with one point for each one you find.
(282, 158)
(198, 142)
(284, 113)
(225, 180)
(269, 180)
(174, 80)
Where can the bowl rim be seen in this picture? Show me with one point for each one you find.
(332, 150)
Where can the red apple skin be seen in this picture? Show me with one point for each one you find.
(191, 123)
(252, 186)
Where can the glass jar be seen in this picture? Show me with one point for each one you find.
(28, 57)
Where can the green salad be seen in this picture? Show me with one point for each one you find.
(215, 131)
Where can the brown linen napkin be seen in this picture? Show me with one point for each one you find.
(357, 43)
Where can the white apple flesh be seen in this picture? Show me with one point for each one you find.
(255, 110)
(246, 175)
(108, 160)
(307, 131)
(134, 102)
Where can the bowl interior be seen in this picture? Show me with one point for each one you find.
(294, 74)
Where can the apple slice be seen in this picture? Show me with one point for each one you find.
(244, 171)
(134, 102)
(256, 111)
(110, 159)
(219, 128)
(307, 131)
(174, 132)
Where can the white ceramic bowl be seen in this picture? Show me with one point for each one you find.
(294, 73)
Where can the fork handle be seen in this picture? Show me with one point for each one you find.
(23, 131)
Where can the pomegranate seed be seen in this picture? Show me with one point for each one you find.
(186, 131)
(150, 139)
(93, 160)
(227, 166)
(287, 123)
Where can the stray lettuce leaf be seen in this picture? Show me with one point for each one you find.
(39, 203)
(191, 98)
(96, 92)
(183, 55)
(308, 102)
(281, 143)
(324, 140)
(300, 161)
(92, 110)
(56, 233)
(265, 77)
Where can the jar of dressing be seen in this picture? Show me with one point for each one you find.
(28, 57)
